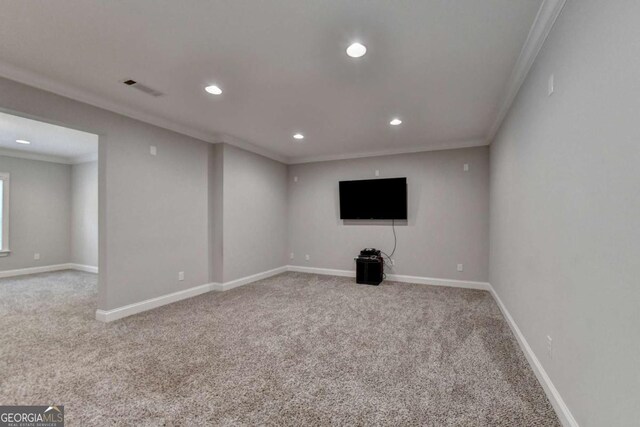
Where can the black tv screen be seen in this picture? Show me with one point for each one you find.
(374, 199)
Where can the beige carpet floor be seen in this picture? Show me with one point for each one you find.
(295, 349)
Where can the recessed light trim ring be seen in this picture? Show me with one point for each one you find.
(356, 50)
(213, 89)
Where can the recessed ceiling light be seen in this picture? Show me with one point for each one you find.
(213, 89)
(23, 141)
(356, 50)
(298, 136)
(395, 122)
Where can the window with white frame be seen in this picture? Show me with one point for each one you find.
(4, 214)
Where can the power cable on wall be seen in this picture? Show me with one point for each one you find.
(395, 245)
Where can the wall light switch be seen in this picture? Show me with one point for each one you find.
(551, 85)
(36, 256)
(466, 167)
(295, 179)
(153, 150)
(181, 276)
(460, 267)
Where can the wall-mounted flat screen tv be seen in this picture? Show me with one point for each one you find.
(374, 199)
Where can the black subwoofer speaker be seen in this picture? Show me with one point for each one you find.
(369, 270)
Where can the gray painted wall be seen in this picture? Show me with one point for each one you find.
(154, 207)
(565, 209)
(448, 214)
(84, 214)
(40, 213)
(255, 213)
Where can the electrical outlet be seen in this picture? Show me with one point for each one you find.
(549, 346)
(377, 172)
(460, 267)
(36, 256)
(153, 150)
(393, 261)
(466, 167)
(307, 257)
(181, 275)
(291, 255)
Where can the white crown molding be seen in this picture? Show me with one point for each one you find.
(35, 156)
(392, 151)
(39, 81)
(542, 25)
(91, 157)
(240, 143)
(545, 18)
(86, 158)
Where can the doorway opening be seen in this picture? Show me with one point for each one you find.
(49, 238)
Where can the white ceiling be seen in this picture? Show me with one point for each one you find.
(443, 66)
(48, 142)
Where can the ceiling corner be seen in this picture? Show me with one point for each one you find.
(540, 29)
(450, 145)
(39, 81)
(248, 146)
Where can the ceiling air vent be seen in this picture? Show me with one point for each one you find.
(143, 88)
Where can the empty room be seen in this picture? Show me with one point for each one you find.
(300, 212)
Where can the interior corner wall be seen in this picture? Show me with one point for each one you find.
(565, 209)
(216, 219)
(153, 209)
(84, 214)
(254, 213)
(448, 214)
(40, 213)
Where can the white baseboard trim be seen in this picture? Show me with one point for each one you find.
(34, 270)
(324, 271)
(150, 304)
(85, 268)
(433, 281)
(139, 307)
(48, 269)
(249, 279)
(552, 393)
(467, 284)
(563, 412)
